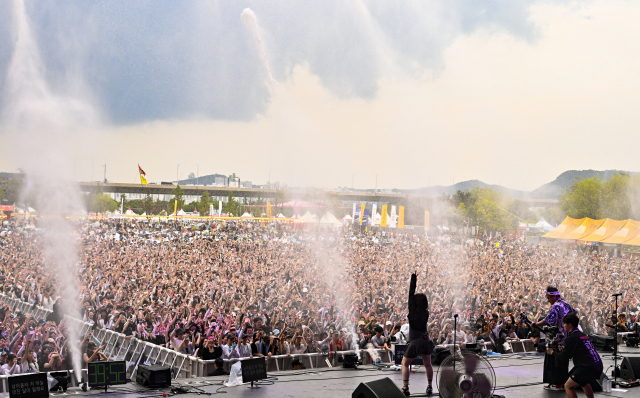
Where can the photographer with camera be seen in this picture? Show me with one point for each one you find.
(586, 361)
(556, 369)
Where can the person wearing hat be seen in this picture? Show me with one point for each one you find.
(244, 348)
(556, 370)
(92, 354)
(3, 357)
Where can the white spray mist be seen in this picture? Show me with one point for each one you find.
(45, 125)
(250, 19)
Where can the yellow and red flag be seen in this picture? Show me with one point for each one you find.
(142, 175)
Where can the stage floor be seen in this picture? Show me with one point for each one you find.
(516, 377)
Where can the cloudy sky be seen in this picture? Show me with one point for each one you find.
(418, 93)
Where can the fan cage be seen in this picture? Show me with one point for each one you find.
(483, 370)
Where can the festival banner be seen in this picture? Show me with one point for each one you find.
(361, 213)
(372, 219)
(268, 209)
(426, 218)
(401, 218)
(383, 218)
(7, 208)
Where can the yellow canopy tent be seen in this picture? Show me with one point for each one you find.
(585, 228)
(568, 225)
(630, 230)
(635, 241)
(608, 228)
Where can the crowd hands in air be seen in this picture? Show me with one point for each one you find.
(242, 290)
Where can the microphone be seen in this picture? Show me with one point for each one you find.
(455, 316)
(616, 294)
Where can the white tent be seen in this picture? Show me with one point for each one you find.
(347, 218)
(129, 212)
(308, 217)
(246, 215)
(181, 212)
(280, 215)
(544, 225)
(330, 219)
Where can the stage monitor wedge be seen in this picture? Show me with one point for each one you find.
(602, 342)
(630, 368)
(382, 388)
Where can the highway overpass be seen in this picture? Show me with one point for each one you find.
(358, 197)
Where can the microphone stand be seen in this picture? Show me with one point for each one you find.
(455, 330)
(615, 344)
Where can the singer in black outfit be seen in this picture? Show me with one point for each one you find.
(419, 342)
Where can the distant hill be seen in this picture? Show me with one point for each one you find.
(551, 190)
(437, 190)
(554, 189)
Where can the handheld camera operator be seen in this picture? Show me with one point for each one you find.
(587, 363)
(556, 369)
(419, 341)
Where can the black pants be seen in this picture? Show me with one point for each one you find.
(555, 371)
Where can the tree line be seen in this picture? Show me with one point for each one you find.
(617, 198)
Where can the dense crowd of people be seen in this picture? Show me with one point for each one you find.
(238, 289)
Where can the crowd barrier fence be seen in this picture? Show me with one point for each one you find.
(136, 352)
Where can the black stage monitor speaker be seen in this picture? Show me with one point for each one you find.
(153, 376)
(383, 388)
(602, 342)
(439, 354)
(630, 368)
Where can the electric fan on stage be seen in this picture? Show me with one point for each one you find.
(466, 375)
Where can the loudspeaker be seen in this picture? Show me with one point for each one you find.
(153, 376)
(601, 342)
(439, 354)
(630, 368)
(383, 388)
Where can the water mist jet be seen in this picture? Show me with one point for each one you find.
(45, 125)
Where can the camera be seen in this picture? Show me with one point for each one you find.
(552, 333)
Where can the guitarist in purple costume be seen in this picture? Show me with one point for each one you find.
(556, 370)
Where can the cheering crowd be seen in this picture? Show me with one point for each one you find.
(239, 289)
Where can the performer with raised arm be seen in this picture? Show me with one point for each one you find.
(419, 342)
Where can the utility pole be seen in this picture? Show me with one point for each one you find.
(352, 177)
(105, 171)
(197, 174)
(177, 180)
